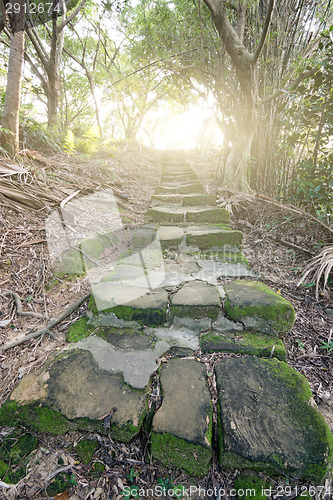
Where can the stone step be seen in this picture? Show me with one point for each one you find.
(213, 238)
(129, 303)
(182, 427)
(194, 187)
(180, 177)
(268, 421)
(193, 199)
(167, 214)
(258, 307)
(255, 344)
(196, 299)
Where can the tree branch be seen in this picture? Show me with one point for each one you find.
(293, 85)
(264, 31)
(71, 17)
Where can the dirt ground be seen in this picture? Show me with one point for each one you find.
(25, 269)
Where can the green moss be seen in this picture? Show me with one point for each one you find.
(254, 344)
(250, 486)
(195, 311)
(60, 484)
(175, 452)
(86, 449)
(212, 240)
(97, 469)
(78, 330)
(3, 469)
(23, 447)
(258, 307)
(148, 316)
(14, 476)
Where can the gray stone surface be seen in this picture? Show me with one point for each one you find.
(195, 324)
(224, 325)
(181, 337)
(136, 365)
(211, 271)
(186, 415)
(213, 239)
(196, 299)
(170, 235)
(268, 421)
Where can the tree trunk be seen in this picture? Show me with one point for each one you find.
(10, 120)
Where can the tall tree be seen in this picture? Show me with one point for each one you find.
(238, 24)
(49, 55)
(9, 137)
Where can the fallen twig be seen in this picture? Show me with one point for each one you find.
(50, 325)
(18, 305)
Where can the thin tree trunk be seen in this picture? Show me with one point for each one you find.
(10, 120)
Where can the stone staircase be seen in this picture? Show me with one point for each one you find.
(183, 293)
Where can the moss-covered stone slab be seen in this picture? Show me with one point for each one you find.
(170, 236)
(195, 199)
(175, 199)
(182, 427)
(267, 421)
(225, 325)
(244, 343)
(196, 299)
(208, 214)
(130, 303)
(72, 392)
(214, 238)
(258, 307)
(166, 214)
(193, 187)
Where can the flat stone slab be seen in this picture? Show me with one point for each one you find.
(181, 431)
(196, 299)
(267, 420)
(169, 213)
(214, 238)
(194, 187)
(255, 344)
(170, 235)
(180, 337)
(193, 199)
(258, 307)
(72, 389)
(130, 303)
(211, 271)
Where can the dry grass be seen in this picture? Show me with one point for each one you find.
(320, 266)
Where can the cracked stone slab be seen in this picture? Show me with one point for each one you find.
(196, 299)
(254, 344)
(268, 420)
(78, 389)
(258, 307)
(182, 438)
(135, 365)
(181, 177)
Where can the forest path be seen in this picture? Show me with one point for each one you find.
(182, 342)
